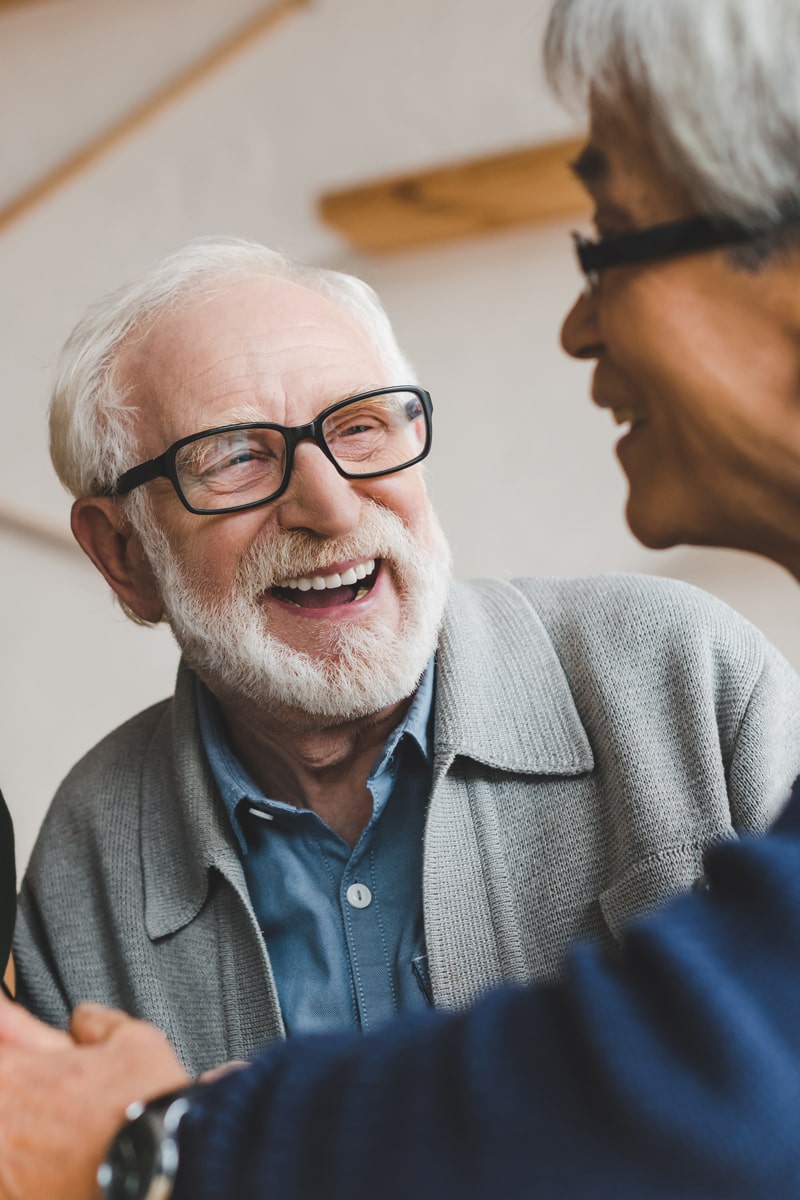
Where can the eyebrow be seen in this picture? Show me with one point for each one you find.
(591, 165)
(252, 414)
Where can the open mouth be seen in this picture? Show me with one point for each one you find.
(627, 417)
(330, 590)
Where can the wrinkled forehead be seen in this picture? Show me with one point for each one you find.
(259, 348)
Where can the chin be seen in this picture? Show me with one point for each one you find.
(651, 526)
(660, 522)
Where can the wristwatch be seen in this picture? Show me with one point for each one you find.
(142, 1160)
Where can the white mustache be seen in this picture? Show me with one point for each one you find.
(290, 555)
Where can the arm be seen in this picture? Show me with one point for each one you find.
(674, 1072)
(38, 983)
(61, 1102)
(766, 748)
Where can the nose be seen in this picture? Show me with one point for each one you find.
(318, 499)
(580, 336)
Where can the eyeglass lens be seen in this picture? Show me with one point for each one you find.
(243, 466)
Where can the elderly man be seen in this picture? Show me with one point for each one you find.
(244, 437)
(672, 1070)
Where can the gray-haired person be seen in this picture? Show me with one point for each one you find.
(673, 1068)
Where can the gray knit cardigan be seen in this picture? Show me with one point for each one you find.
(592, 738)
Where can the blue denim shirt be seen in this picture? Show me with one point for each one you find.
(344, 928)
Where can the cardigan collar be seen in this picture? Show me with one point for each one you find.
(186, 834)
(502, 697)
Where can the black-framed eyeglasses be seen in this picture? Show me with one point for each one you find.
(234, 467)
(690, 235)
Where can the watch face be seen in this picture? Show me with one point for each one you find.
(143, 1158)
(131, 1163)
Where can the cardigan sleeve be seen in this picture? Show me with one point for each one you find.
(767, 745)
(671, 1070)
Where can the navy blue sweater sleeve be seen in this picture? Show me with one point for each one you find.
(670, 1071)
(8, 885)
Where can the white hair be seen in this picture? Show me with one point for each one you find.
(714, 83)
(91, 427)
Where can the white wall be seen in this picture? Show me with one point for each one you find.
(479, 318)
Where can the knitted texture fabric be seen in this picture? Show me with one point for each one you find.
(593, 738)
(671, 1073)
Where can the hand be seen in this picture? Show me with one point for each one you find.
(63, 1096)
(225, 1068)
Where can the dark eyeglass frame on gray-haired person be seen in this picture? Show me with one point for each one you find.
(672, 239)
(166, 465)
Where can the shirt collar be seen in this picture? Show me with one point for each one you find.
(417, 722)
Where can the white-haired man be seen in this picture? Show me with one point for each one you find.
(366, 794)
(672, 1070)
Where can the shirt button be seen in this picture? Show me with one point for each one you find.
(359, 895)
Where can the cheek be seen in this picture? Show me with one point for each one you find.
(405, 495)
(709, 355)
(658, 334)
(683, 391)
(211, 552)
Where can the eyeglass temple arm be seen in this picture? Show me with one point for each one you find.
(661, 241)
(138, 475)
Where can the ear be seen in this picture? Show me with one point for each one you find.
(107, 537)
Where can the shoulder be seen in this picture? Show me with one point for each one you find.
(596, 598)
(121, 750)
(640, 612)
(637, 627)
(105, 779)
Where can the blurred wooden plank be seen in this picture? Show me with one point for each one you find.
(38, 529)
(240, 40)
(460, 200)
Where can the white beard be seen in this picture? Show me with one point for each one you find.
(362, 669)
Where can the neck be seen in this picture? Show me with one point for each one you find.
(295, 760)
(774, 540)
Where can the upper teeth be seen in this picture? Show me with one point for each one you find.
(623, 415)
(320, 582)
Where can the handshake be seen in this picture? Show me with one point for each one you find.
(63, 1096)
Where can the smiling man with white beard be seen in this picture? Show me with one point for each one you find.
(372, 791)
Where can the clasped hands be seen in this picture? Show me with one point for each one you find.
(64, 1095)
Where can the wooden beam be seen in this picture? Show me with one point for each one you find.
(464, 199)
(36, 528)
(162, 99)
